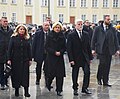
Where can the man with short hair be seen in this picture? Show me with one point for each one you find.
(79, 53)
(38, 50)
(87, 28)
(48, 19)
(105, 44)
(5, 34)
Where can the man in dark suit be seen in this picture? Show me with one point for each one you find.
(87, 28)
(79, 53)
(38, 49)
(5, 34)
(105, 44)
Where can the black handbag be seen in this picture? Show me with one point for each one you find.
(7, 70)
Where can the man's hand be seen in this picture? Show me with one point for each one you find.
(93, 53)
(117, 53)
(72, 63)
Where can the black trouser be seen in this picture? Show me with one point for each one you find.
(59, 83)
(86, 79)
(2, 79)
(104, 67)
(39, 68)
(26, 90)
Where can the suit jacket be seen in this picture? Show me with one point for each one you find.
(4, 41)
(79, 50)
(38, 46)
(100, 36)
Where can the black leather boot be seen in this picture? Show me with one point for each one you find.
(16, 92)
(26, 92)
(37, 80)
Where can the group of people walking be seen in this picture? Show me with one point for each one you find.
(47, 50)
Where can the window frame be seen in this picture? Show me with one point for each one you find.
(83, 3)
(61, 17)
(72, 3)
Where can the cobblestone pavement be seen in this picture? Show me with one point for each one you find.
(98, 92)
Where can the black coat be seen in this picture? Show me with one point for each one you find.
(38, 46)
(79, 50)
(19, 52)
(118, 35)
(89, 31)
(4, 40)
(99, 37)
(55, 42)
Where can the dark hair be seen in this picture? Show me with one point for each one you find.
(86, 21)
(106, 16)
(4, 18)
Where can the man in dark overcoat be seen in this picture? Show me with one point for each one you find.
(87, 28)
(5, 33)
(38, 50)
(105, 44)
(79, 53)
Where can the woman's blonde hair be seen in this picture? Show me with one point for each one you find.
(55, 24)
(26, 35)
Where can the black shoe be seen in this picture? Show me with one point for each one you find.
(16, 92)
(48, 87)
(2, 88)
(76, 92)
(37, 83)
(99, 82)
(59, 93)
(107, 85)
(7, 85)
(86, 91)
(27, 95)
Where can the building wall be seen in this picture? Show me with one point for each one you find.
(35, 10)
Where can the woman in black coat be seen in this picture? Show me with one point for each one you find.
(19, 57)
(55, 47)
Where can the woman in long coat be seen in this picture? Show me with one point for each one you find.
(55, 47)
(19, 57)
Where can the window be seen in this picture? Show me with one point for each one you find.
(61, 17)
(4, 1)
(83, 17)
(13, 19)
(60, 2)
(83, 3)
(105, 3)
(14, 2)
(4, 14)
(114, 17)
(94, 3)
(94, 18)
(28, 2)
(115, 3)
(44, 2)
(44, 17)
(72, 3)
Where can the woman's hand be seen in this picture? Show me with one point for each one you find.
(57, 53)
(9, 62)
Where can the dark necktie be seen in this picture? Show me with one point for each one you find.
(80, 34)
(106, 28)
